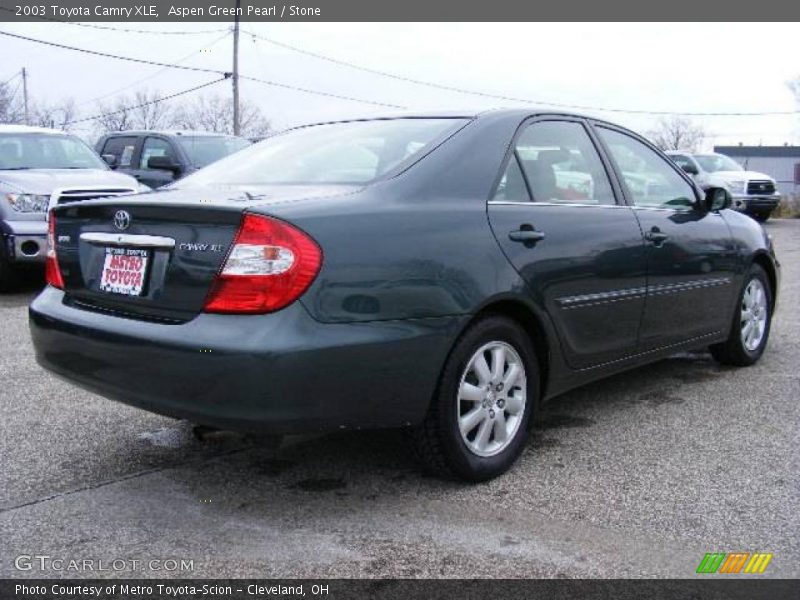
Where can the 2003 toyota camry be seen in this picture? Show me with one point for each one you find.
(445, 273)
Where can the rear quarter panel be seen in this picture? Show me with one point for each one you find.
(414, 246)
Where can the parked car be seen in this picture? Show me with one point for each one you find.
(39, 168)
(432, 272)
(753, 193)
(157, 158)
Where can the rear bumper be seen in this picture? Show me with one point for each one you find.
(26, 241)
(756, 203)
(278, 373)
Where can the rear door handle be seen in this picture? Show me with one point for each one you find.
(656, 236)
(530, 236)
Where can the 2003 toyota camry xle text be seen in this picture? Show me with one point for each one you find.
(443, 273)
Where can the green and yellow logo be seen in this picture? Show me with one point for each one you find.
(734, 562)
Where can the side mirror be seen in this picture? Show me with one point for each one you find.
(163, 163)
(717, 198)
(110, 159)
(689, 168)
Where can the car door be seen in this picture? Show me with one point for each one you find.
(691, 257)
(155, 146)
(557, 217)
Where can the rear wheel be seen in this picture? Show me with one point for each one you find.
(478, 420)
(750, 328)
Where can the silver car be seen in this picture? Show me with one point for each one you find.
(40, 168)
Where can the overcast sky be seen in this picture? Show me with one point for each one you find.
(659, 67)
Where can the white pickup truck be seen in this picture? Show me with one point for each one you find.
(40, 168)
(753, 193)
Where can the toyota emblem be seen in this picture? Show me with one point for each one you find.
(122, 220)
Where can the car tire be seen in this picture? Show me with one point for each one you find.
(491, 400)
(8, 275)
(750, 328)
(761, 217)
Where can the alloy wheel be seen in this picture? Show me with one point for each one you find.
(491, 398)
(754, 314)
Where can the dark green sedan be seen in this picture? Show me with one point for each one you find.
(445, 273)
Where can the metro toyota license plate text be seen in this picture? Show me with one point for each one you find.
(123, 271)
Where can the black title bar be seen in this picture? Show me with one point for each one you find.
(163, 11)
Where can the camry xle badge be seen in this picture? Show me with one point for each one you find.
(122, 220)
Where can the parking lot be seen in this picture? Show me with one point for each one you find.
(638, 475)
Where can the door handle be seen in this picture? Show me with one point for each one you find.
(656, 236)
(527, 235)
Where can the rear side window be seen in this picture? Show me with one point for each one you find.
(562, 164)
(512, 186)
(155, 147)
(122, 149)
(651, 180)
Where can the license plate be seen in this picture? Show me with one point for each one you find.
(124, 271)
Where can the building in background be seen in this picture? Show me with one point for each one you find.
(780, 162)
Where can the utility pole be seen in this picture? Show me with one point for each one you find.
(25, 95)
(235, 78)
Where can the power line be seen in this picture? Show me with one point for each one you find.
(199, 69)
(120, 29)
(156, 101)
(319, 93)
(152, 75)
(460, 90)
(7, 81)
(115, 56)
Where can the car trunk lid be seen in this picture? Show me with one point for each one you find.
(154, 256)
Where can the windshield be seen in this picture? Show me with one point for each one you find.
(205, 149)
(46, 151)
(352, 152)
(711, 163)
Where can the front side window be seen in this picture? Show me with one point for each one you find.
(337, 153)
(46, 151)
(155, 147)
(562, 165)
(650, 179)
(121, 148)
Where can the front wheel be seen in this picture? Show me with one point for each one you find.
(750, 328)
(761, 217)
(478, 421)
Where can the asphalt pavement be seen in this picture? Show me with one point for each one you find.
(636, 476)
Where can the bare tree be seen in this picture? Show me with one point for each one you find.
(10, 105)
(678, 133)
(215, 113)
(114, 117)
(59, 115)
(150, 111)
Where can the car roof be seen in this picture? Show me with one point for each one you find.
(29, 129)
(173, 132)
(510, 112)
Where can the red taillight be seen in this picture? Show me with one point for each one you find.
(52, 273)
(269, 266)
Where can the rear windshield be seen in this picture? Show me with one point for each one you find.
(352, 152)
(46, 151)
(202, 150)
